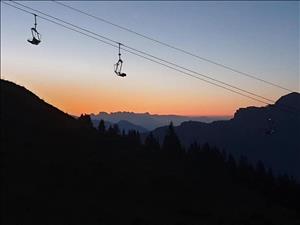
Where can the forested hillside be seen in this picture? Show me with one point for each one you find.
(60, 170)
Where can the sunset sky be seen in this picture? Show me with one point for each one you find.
(75, 73)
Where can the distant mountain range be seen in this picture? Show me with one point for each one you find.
(123, 125)
(270, 133)
(149, 121)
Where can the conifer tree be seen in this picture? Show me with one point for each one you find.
(171, 143)
(85, 121)
(101, 127)
(151, 144)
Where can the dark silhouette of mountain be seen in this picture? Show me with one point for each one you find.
(123, 125)
(56, 169)
(106, 123)
(291, 100)
(127, 126)
(152, 121)
(266, 133)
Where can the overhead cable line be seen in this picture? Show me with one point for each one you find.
(175, 48)
(145, 53)
(283, 107)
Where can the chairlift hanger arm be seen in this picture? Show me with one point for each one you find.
(120, 60)
(35, 23)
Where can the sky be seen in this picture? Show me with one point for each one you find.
(75, 73)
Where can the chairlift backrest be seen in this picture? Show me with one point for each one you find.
(36, 36)
(119, 64)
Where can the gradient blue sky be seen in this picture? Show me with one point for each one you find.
(75, 73)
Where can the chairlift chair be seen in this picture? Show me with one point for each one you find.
(271, 127)
(119, 64)
(36, 36)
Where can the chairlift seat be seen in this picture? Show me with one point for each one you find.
(36, 37)
(119, 64)
(34, 41)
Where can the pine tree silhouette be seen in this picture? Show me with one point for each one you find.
(134, 137)
(116, 129)
(101, 127)
(171, 143)
(151, 144)
(85, 121)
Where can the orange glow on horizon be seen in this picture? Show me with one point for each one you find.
(76, 98)
(102, 103)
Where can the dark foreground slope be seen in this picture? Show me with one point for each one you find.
(59, 170)
(270, 134)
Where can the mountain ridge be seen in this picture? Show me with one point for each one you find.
(123, 125)
(151, 121)
(261, 133)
